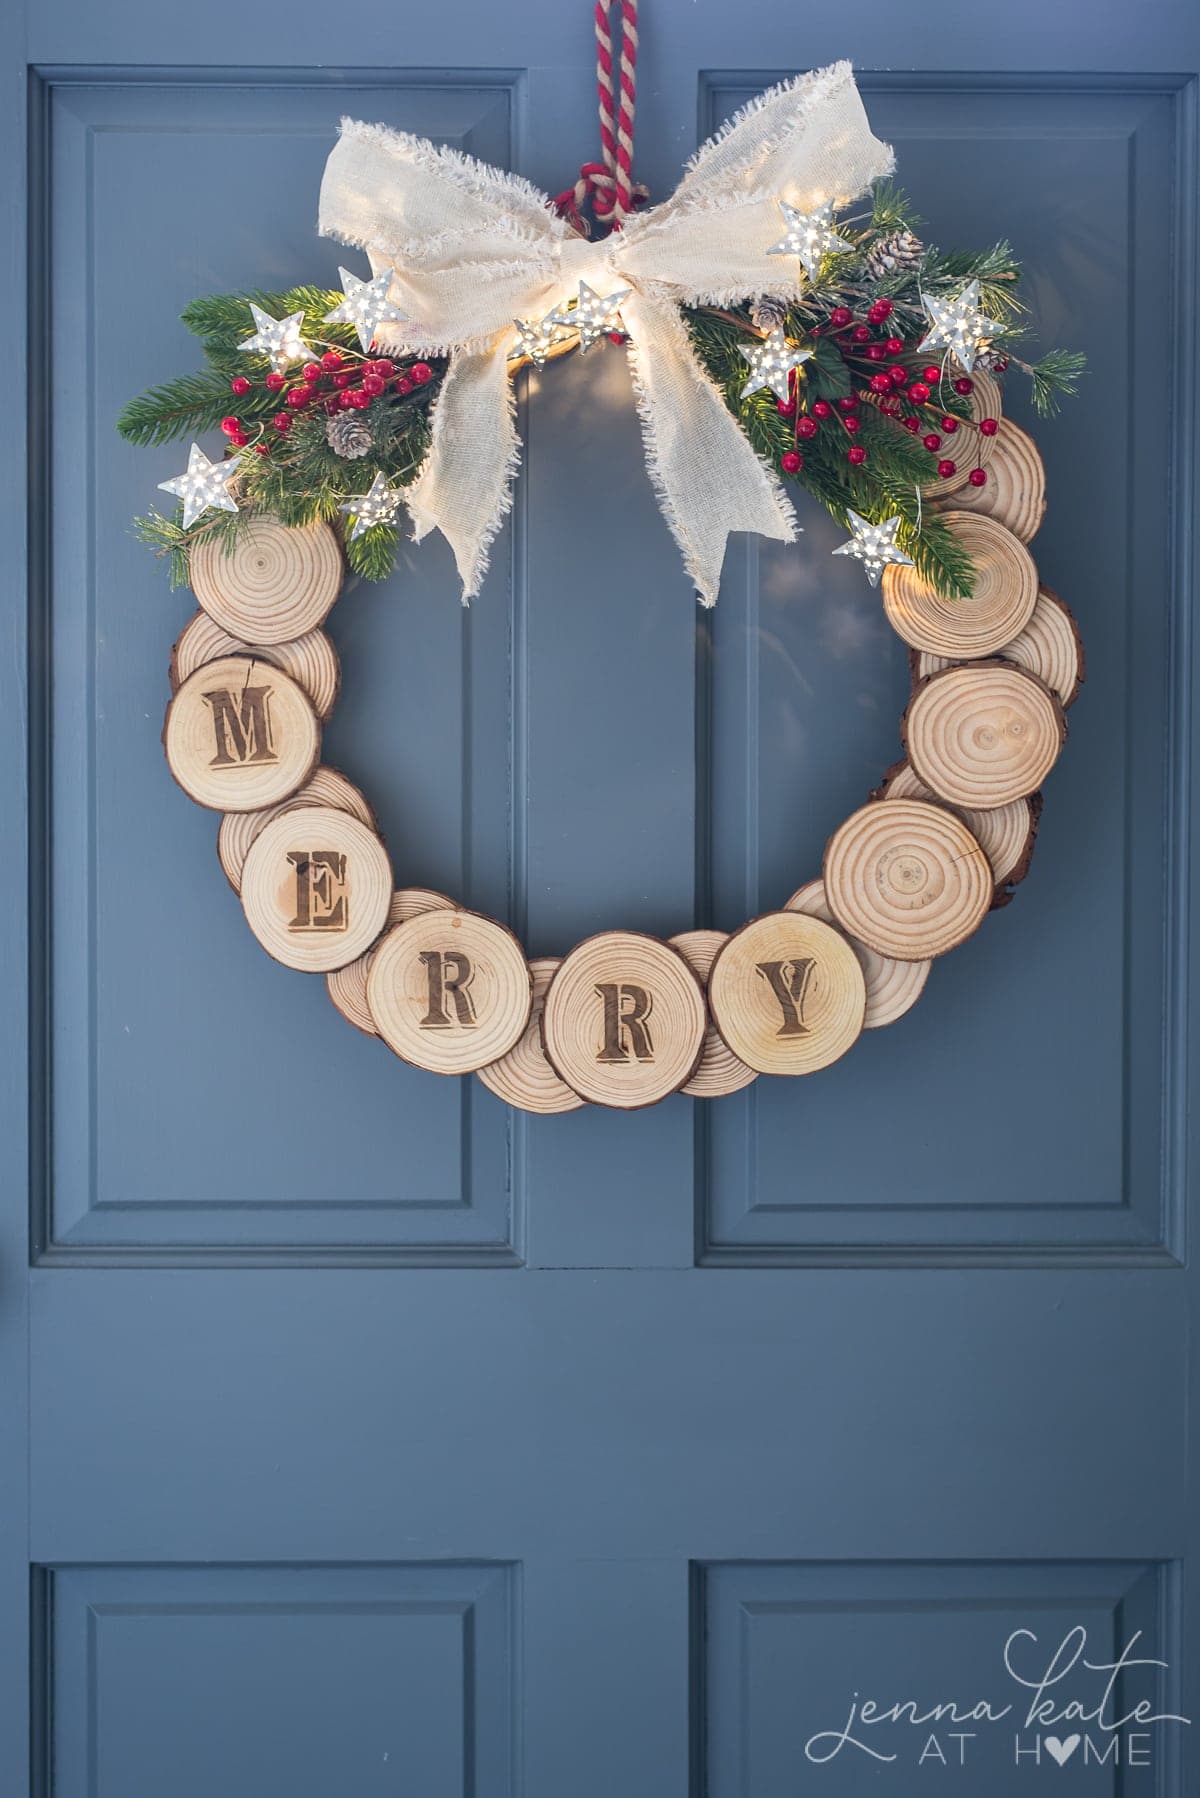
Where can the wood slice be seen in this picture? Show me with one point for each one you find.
(907, 878)
(450, 991)
(624, 1020)
(788, 994)
(998, 609)
(240, 735)
(239, 829)
(276, 582)
(348, 986)
(967, 447)
(893, 987)
(523, 1077)
(315, 888)
(983, 733)
(311, 659)
(1015, 490)
(1006, 835)
(719, 1071)
(1050, 646)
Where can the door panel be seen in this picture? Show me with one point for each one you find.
(357, 1435)
(807, 682)
(145, 1112)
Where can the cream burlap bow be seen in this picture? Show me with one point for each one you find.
(472, 248)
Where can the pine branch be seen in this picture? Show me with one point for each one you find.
(891, 210)
(373, 554)
(1054, 378)
(187, 405)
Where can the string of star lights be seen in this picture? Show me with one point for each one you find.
(874, 545)
(810, 236)
(277, 338)
(834, 386)
(959, 325)
(203, 485)
(592, 314)
(366, 306)
(370, 510)
(772, 364)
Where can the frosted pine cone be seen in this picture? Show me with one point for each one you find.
(768, 313)
(348, 435)
(894, 254)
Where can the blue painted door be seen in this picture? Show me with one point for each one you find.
(362, 1438)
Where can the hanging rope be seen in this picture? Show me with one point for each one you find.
(610, 184)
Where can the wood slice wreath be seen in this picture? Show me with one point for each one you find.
(858, 363)
(625, 1020)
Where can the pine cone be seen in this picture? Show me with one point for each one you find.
(995, 361)
(768, 313)
(893, 254)
(348, 435)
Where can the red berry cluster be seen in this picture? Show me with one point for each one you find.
(338, 383)
(890, 383)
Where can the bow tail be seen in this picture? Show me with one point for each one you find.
(707, 477)
(464, 488)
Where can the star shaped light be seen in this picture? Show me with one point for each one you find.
(278, 338)
(771, 364)
(366, 306)
(537, 337)
(959, 325)
(874, 545)
(379, 506)
(205, 484)
(810, 235)
(593, 314)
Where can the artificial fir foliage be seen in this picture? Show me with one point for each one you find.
(867, 421)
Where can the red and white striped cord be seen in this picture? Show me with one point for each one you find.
(610, 183)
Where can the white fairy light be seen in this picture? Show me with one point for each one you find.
(278, 338)
(874, 545)
(377, 507)
(771, 364)
(366, 306)
(810, 236)
(204, 484)
(959, 325)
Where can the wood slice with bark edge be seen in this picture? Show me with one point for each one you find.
(624, 1020)
(238, 829)
(1006, 835)
(348, 986)
(1000, 605)
(450, 991)
(1050, 646)
(967, 447)
(907, 878)
(316, 888)
(272, 583)
(240, 735)
(787, 994)
(524, 1078)
(718, 1071)
(1015, 490)
(982, 734)
(893, 987)
(311, 660)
